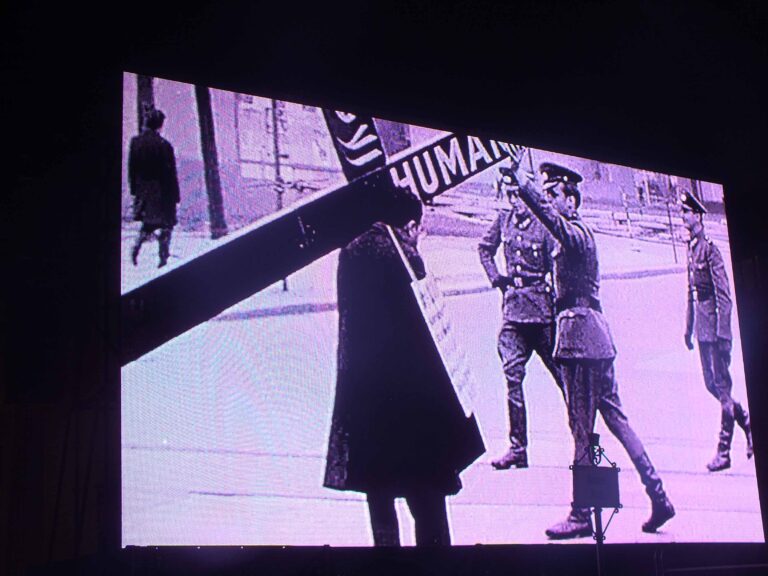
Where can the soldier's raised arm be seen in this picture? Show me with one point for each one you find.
(570, 236)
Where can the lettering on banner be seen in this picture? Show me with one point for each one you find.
(432, 305)
(447, 163)
(477, 152)
(357, 142)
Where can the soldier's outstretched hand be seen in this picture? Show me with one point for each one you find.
(689, 342)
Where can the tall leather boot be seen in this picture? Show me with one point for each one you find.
(742, 419)
(661, 508)
(722, 460)
(516, 456)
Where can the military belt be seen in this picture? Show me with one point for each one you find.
(577, 301)
(526, 281)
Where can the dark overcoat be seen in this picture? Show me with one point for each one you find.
(397, 425)
(153, 180)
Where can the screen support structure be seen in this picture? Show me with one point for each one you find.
(596, 487)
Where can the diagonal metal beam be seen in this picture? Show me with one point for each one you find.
(261, 254)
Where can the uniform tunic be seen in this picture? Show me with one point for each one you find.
(528, 249)
(709, 296)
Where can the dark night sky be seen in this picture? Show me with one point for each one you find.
(669, 86)
(676, 87)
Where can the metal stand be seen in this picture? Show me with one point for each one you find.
(599, 538)
(596, 487)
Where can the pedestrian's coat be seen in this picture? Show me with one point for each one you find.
(153, 180)
(397, 425)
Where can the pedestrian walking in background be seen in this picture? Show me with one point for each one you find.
(154, 185)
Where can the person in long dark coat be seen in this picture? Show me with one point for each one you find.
(397, 429)
(154, 185)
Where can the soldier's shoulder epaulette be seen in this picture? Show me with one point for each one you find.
(579, 223)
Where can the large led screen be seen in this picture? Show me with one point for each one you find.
(343, 330)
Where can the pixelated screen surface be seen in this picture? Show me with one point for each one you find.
(296, 409)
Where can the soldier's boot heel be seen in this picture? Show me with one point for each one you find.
(742, 419)
(661, 512)
(661, 508)
(721, 461)
(514, 457)
(578, 524)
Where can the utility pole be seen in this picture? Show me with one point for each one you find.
(671, 197)
(216, 219)
(145, 97)
(279, 184)
(276, 152)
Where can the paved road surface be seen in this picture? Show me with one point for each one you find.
(224, 428)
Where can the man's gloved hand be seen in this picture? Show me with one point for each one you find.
(689, 341)
(724, 345)
(522, 175)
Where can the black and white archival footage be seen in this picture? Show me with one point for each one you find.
(346, 330)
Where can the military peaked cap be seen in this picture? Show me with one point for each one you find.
(557, 173)
(690, 201)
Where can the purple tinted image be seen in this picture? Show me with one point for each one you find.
(226, 421)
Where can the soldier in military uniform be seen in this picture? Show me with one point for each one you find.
(527, 306)
(584, 346)
(709, 309)
(154, 185)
